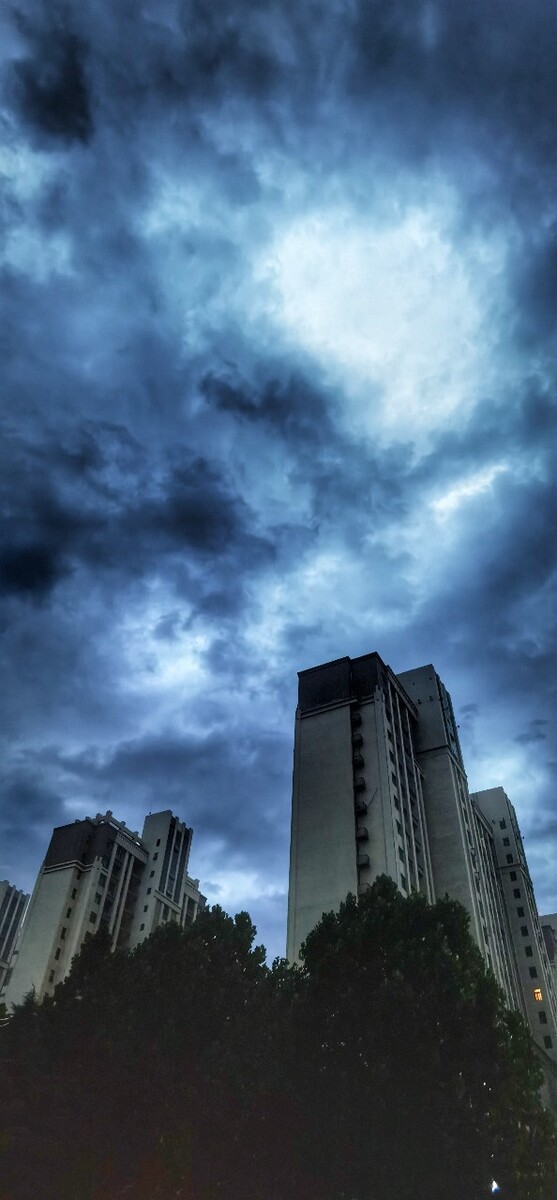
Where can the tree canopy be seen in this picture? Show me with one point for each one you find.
(384, 1066)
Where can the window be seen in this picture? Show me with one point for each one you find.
(396, 801)
(145, 908)
(141, 927)
(97, 897)
(74, 893)
(148, 891)
(502, 824)
(102, 880)
(78, 876)
(155, 856)
(512, 876)
(58, 952)
(520, 912)
(538, 994)
(547, 1043)
(165, 912)
(392, 757)
(68, 912)
(506, 842)
(92, 917)
(394, 778)
(399, 828)
(516, 893)
(509, 858)
(533, 973)
(151, 875)
(158, 841)
(529, 952)
(543, 1018)
(524, 930)
(63, 932)
(403, 882)
(401, 854)
(51, 977)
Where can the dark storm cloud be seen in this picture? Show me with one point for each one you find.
(97, 510)
(217, 783)
(50, 87)
(31, 569)
(182, 471)
(29, 811)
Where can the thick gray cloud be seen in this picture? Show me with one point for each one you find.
(278, 311)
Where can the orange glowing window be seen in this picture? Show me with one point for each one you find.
(538, 994)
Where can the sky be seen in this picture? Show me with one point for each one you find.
(279, 305)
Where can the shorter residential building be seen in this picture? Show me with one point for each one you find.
(12, 908)
(99, 874)
(529, 956)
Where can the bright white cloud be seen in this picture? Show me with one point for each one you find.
(236, 888)
(160, 665)
(395, 311)
(473, 485)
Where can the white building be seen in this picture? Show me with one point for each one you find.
(12, 908)
(528, 947)
(98, 874)
(379, 787)
(358, 806)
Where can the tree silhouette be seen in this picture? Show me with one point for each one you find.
(384, 1066)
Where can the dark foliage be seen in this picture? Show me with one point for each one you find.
(385, 1066)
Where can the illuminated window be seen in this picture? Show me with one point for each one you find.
(538, 994)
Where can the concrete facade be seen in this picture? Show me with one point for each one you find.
(549, 930)
(358, 809)
(13, 903)
(379, 787)
(99, 874)
(529, 951)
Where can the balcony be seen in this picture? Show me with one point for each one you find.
(363, 860)
(357, 739)
(359, 784)
(362, 833)
(360, 806)
(358, 761)
(356, 718)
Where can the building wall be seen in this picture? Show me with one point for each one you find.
(357, 809)
(97, 874)
(539, 1002)
(323, 844)
(12, 909)
(164, 888)
(549, 931)
(43, 923)
(497, 935)
(448, 809)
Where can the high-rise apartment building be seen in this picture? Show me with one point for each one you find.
(358, 806)
(529, 952)
(12, 908)
(379, 787)
(98, 874)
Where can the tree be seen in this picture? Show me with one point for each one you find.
(428, 1086)
(384, 1066)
